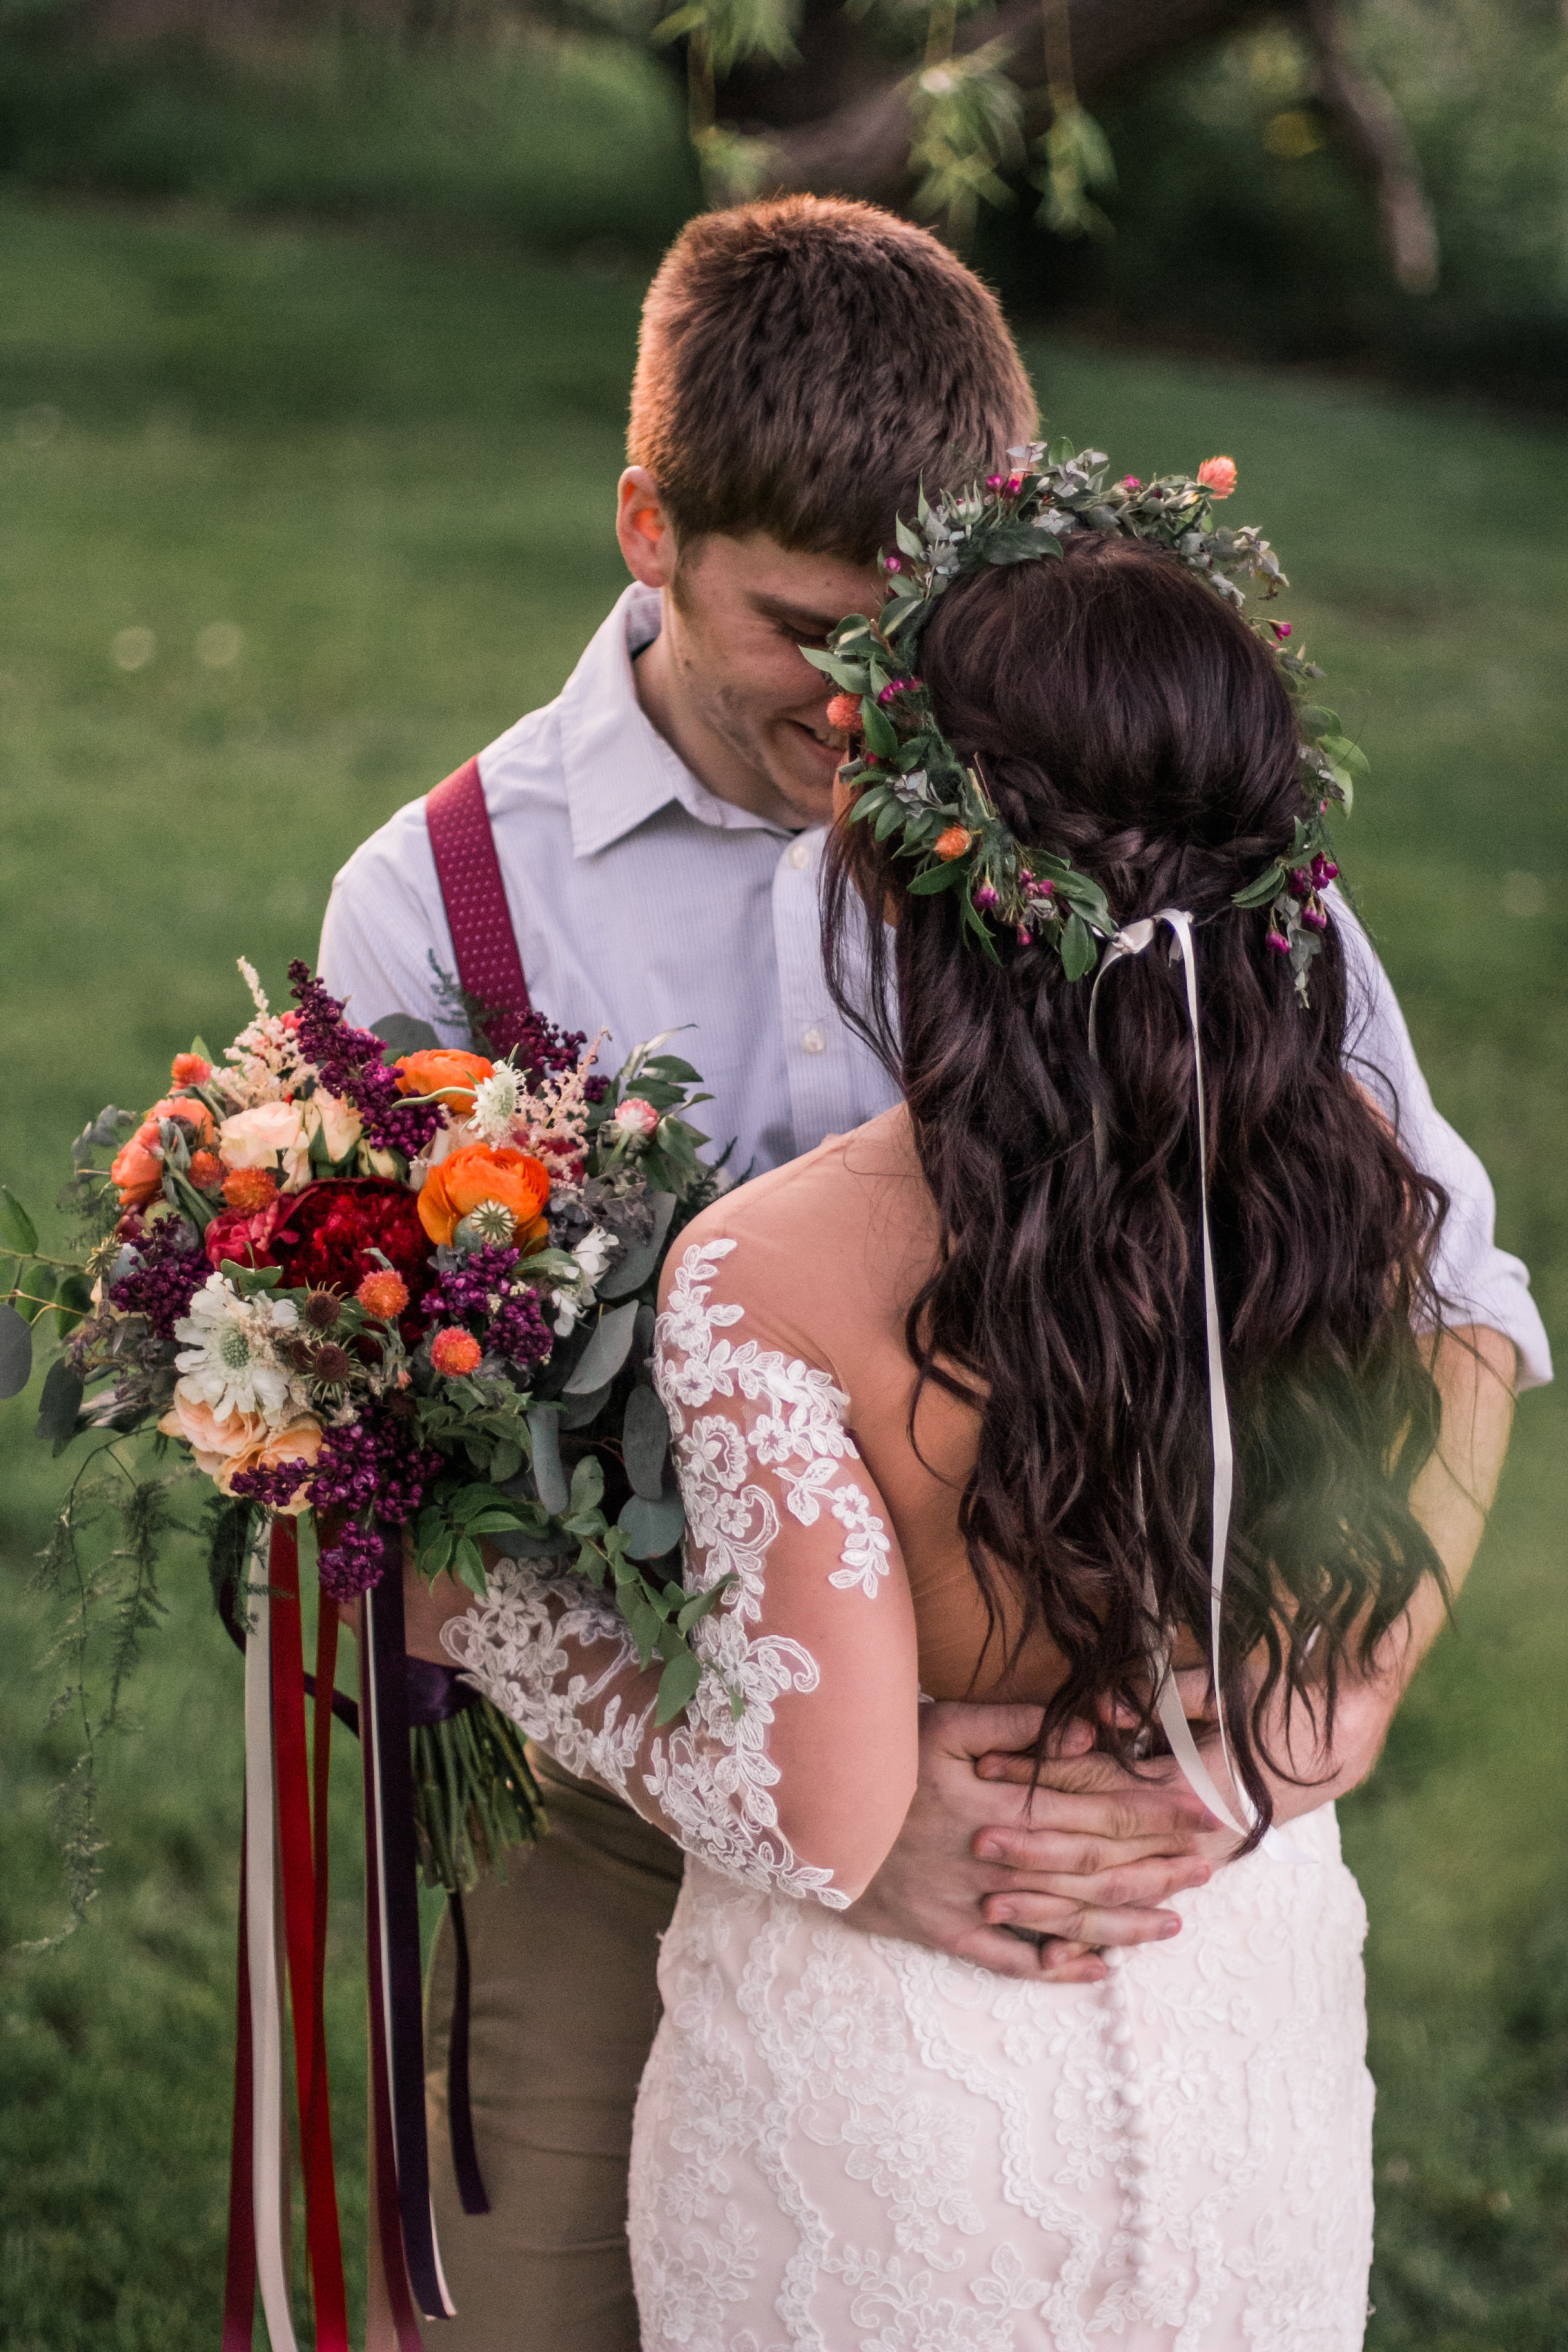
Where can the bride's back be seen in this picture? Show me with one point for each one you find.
(1015, 1259)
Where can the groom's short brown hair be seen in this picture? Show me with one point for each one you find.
(804, 362)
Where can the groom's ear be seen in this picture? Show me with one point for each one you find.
(644, 529)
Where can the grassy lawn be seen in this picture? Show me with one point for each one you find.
(388, 469)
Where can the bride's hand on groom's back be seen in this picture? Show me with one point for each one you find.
(1084, 1860)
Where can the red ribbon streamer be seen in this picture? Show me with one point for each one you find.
(303, 1930)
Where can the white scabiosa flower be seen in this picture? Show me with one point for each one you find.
(229, 1360)
(497, 1101)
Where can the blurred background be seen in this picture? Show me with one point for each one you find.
(316, 327)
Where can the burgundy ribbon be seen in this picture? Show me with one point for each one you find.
(388, 1755)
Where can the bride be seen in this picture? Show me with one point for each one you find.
(952, 1406)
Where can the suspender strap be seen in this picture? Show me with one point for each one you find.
(489, 966)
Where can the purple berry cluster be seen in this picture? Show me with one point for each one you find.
(170, 1269)
(353, 1562)
(351, 1064)
(272, 1485)
(545, 1051)
(516, 1329)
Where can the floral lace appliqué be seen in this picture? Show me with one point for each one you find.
(557, 1658)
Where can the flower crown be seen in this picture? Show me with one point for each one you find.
(909, 782)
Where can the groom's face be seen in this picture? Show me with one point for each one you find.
(745, 709)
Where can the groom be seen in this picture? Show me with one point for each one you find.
(803, 366)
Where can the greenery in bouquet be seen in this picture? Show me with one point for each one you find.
(407, 1294)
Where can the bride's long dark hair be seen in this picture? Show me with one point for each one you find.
(1121, 714)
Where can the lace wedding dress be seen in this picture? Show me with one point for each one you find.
(849, 2143)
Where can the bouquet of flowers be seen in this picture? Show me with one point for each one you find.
(409, 1294)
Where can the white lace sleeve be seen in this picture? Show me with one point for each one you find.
(803, 1791)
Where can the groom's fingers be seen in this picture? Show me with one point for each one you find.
(1136, 1886)
(1083, 1923)
(1073, 1850)
(1051, 1960)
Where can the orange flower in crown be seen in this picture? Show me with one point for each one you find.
(468, 1182)
(1218, 476)
(446, 1071)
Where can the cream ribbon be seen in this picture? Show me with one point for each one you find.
(270, 2127)
(1134, 941)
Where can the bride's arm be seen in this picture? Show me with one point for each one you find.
(800, 1785)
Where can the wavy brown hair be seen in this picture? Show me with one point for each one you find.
(1121, 715)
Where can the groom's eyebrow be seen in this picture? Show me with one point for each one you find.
(794, 617)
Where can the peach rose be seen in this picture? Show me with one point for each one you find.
(301, 1442)
(480, 1172)
(443, 1070)
(1218, 476)
(138, 1169)
(256, 1138)
(212, 1441)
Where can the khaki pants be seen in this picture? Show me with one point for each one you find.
(565, 2006)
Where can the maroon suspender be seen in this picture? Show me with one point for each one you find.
(467, 866)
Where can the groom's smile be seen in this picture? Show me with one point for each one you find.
(725, 682)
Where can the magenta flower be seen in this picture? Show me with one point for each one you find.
(1281, 629)
(1324, 871)
(1277, 941)
(891, 563)
(987, 898)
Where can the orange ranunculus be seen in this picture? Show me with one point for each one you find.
(443, 1070)
(138, 1169)
(478, 1172)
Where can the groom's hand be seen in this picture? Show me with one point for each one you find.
(1083, 1861)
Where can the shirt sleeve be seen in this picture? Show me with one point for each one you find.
(795, 1762)
(1476, 1282)
(385, 921)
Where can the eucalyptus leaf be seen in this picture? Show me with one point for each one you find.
(40, 1282)
(645, 1442)
(605, 1353)
(548, 1477)
(73, 1300)
(60, 1403)
(17, 1232)
(630, 1272)
(400, 1033)
(651, 1528)
(15, 1352)
(581, 1413)
(676, 1687)
(587, 1485)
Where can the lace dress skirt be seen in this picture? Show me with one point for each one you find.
(848, 2143)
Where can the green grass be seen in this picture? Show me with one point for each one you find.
(391, 471)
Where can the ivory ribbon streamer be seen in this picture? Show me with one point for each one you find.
(1132, 941)
(269, 2147)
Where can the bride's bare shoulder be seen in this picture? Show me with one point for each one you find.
(853, 1215)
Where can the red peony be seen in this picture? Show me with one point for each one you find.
(326, 1236)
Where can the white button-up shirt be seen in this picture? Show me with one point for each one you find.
(643, 903)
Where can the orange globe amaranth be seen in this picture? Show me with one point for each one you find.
(446, 1071)
(481, 1172)
(952, 844)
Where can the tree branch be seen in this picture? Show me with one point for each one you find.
(1377, 147)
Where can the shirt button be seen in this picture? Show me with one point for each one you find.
(800, 858)
(813, 1041)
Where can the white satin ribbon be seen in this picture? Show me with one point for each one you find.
(1132, 941)
(269, 2141)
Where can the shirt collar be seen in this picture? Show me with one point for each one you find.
(618, 769)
